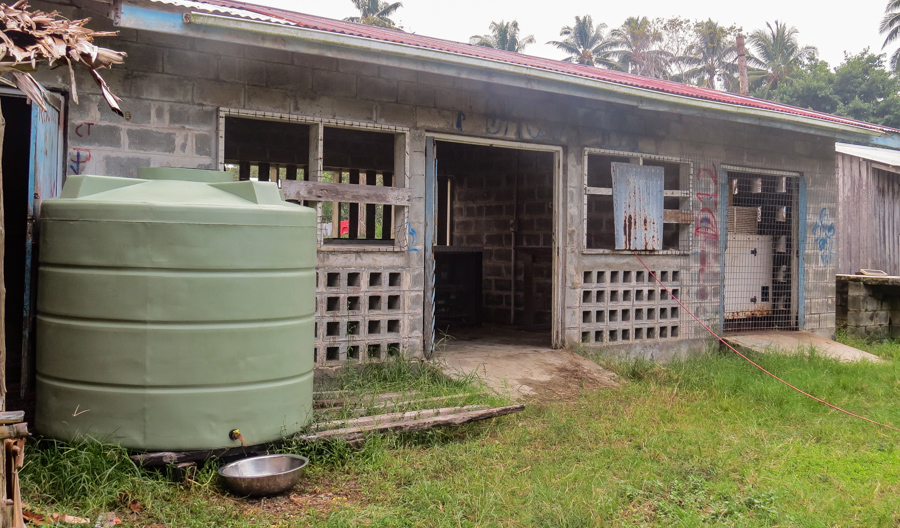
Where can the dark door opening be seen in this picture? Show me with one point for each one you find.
(16, 154)
(494, 241)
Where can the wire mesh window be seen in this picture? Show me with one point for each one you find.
(760, 256)
(600, 224)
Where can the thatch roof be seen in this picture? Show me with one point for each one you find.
(29, 38)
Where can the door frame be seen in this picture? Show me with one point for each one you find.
(798, 234)
(559, 228)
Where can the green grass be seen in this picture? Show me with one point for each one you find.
(706, 441)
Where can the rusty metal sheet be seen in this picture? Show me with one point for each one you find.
(638, 206)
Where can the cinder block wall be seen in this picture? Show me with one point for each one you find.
(173, 86)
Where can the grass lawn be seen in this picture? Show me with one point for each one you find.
(708, 441)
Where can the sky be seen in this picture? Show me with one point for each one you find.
(834, 28)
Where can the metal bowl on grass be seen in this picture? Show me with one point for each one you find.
(263, 475)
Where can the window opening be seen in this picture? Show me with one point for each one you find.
(265, 150)
(601, 226)
(358, 158)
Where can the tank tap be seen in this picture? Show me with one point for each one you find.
(234, 434)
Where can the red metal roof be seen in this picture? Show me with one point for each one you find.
(508, 57)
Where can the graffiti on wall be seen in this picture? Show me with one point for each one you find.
(823, 232)
(78, 160)
(706, 229)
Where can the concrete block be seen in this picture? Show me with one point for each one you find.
(397, 74)
(856, 302)
(95, 135)
(316, 62)
(159, 87)
(334, 84)
(242, 71)
(140, 112)
(377, 89)
(355, 110)
(164, 40)
(141, 57)
(288, 77)
(882, 317)
(873, 303)
(146, 140)
(857, 288)
(860, 319)
(220, 47)
(358, 68)
(435, 119)
(189, 64)
(452, 99)
(192, 116)
(395, 114)
(204, 145)
(268, 99)
(313, 106)
(124, 166)
(216, 93)
(268, 55)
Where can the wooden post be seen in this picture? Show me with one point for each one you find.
(290, 172)
(387, 220)
(354, 207)
(244, 171)
(371, 179)
(263, 174)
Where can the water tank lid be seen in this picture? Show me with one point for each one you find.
(171, 199)
(194, 175)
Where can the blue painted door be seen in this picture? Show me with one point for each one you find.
(45, 178)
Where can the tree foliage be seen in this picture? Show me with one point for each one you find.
(860, 88)
(778, 55)
(375, 13)
(636, 47)
(503, 36)
(585, 43)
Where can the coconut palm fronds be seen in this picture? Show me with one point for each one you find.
(29, 38)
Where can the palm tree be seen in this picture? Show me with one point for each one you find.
(503, 36)
(712, 58)
(585, 43)
(890, 24)
(375, 13)
(636, 45)
(778, 54)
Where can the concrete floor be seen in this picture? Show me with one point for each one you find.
(519, 363)
(799, 342)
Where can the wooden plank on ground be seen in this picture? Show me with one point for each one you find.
(396, 417)
(355, 434)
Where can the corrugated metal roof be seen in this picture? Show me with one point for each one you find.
(879, 155)
(282, 16)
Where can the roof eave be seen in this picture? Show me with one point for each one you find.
(312, 41)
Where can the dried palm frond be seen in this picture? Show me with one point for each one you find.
(29, 38)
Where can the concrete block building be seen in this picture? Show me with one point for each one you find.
(459, 185)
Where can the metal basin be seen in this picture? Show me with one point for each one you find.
(263, 475)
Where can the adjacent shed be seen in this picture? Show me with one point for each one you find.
(867, 228)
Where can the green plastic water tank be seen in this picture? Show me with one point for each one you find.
(174, 308)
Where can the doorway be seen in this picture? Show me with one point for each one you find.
(493, 243)
(760, 263)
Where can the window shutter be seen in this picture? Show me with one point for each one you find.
(638, 206)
